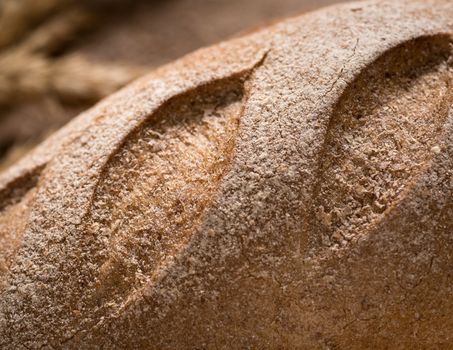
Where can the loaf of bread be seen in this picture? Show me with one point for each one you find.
(291, 188)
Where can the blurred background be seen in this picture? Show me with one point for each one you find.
(59, 57)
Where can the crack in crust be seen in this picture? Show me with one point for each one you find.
(164, 222)
(382, 134)
(152, 194)
(174, 161)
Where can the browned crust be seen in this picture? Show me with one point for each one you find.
(251, 269)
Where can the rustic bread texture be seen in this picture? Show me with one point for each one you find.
(287, 189)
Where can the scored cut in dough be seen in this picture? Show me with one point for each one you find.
(287, 189)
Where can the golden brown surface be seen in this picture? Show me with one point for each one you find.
(287, 189)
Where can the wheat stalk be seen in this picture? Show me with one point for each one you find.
(75, 78)
(31, 30)
(26, 71)
(72, 78)
(18, 16)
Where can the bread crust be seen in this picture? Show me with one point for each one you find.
(257, 237)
